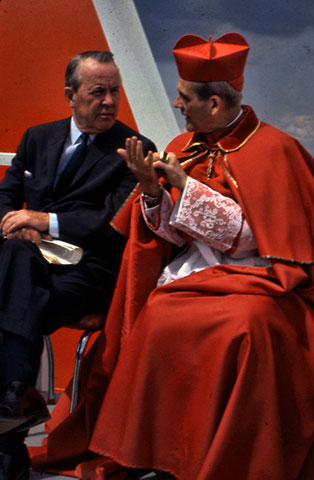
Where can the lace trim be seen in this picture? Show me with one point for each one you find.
(207, 215)
(157, 219)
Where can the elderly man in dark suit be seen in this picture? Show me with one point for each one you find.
(72, 181)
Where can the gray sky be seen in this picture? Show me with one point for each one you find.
(280, 67)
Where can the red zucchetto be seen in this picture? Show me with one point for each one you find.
(199, 60)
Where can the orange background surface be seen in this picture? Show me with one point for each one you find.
(37, 39)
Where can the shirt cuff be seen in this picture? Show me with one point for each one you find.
(53, 225)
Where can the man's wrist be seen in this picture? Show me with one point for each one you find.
(150, 199)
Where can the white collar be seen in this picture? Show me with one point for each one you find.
(235, 119)
(75, 133)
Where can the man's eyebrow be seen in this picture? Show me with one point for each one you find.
(185, 97)
(102, 87)
(96, 87)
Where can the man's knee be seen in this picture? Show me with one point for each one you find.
(18, 245)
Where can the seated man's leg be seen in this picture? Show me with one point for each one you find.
(76, 291)
(24, 295)
(24, 288)
(19, 359)
(36, 298)
(23, 298)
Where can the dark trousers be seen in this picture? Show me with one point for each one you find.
(37, 298)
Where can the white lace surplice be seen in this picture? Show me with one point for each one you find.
(213, 220)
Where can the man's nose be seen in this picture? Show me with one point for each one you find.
(108, 99)
(177, 103)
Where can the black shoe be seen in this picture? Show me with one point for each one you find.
(16, 466)
(21, 407)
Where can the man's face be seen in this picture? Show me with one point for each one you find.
(96, 103)
(197, 112)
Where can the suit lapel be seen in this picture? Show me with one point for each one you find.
(103, 145)
(55, 148)
(93, 156)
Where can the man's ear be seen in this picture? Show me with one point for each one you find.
(215, 104)
(68, 93)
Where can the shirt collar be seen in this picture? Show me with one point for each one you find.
(235, 119)
(76, 133)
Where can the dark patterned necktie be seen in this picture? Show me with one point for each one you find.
(73, 164)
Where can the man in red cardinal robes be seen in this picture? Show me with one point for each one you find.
(205, 369)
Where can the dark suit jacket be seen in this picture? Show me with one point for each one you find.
(87, 206)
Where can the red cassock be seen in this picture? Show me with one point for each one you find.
(210, 377)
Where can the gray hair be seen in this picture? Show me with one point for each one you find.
(72, 73)
(226, 92)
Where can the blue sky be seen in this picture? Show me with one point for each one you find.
(280, 67)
